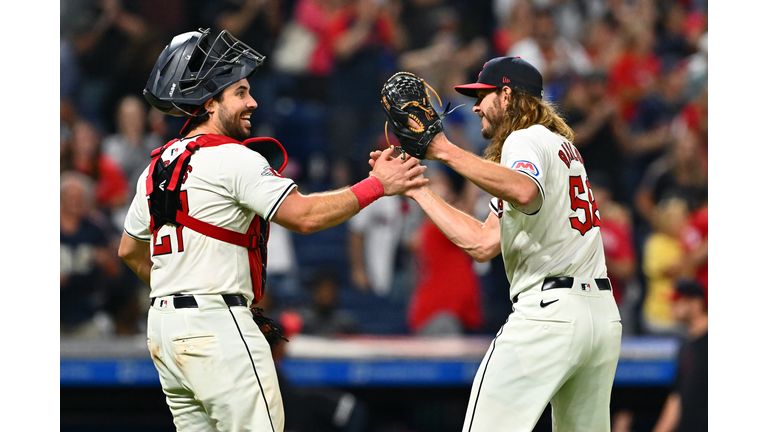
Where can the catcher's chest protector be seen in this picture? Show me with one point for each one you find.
(165, 207)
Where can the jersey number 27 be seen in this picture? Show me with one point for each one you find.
(164, 247)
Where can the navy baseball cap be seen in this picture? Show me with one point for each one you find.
(512, 72)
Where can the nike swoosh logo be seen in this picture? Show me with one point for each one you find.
(545, 304)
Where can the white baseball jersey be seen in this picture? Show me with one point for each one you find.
(214, 364)
(383, 225)
(226, 186)
(560, 345)
(559, 234)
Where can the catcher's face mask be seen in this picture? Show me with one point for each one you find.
(190, 70)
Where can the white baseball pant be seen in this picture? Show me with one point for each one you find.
(215, 366)
(560, 346)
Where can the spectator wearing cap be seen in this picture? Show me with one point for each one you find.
(686, 406)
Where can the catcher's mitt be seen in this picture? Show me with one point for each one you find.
(405, 96)
(268, 327)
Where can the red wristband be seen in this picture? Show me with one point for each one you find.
(367, 191)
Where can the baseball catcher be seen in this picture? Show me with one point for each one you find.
(200, 242)
(405, 97)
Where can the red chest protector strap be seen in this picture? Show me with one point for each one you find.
(165, 207)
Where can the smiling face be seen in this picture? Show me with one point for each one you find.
(232, 115)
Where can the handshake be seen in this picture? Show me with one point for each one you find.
(415, 123)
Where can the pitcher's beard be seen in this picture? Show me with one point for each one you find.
(488, 132)
(493, 118)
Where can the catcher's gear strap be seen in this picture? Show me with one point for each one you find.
(164, 187)
(219, 233)
(257, 257)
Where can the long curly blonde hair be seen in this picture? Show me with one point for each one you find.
(524, 111)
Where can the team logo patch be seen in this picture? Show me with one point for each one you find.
(524, 165)
(269, 171)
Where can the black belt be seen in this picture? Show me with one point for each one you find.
(188, 301)
(603, 284)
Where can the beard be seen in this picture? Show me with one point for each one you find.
(231, 125)
(494, 118)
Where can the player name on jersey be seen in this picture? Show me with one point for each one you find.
(569, 153)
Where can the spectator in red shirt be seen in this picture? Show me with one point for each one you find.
(85, 156)
(364, 42)
(696, 244)
(446, 299)
(635, 71)
(694, 116)
(340, 28)
(359, 25)
(517, 26)
(314, 16)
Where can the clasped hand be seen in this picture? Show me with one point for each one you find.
(398, 174)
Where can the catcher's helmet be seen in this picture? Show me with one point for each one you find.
(190, 70)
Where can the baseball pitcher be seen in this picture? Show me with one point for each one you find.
(561, 342)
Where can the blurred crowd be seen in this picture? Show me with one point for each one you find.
(629, 76)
